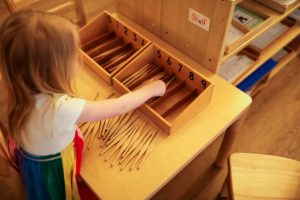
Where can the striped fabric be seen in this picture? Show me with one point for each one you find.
(52, 176)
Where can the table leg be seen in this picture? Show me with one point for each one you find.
(228, 140)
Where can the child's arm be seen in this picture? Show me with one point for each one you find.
(99, 110)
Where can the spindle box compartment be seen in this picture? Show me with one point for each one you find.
(108, 44)
(188, 92)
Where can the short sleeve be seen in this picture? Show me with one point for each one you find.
(68, 110)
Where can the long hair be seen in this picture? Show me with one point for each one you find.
(37, 55)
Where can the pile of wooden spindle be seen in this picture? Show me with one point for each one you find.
(177, 93)
(125, 140)
(108, 50)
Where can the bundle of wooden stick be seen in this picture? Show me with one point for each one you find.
(147, 74)
(124, 140)
(177, 94)
(109, 51)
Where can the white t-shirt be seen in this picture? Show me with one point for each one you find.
(51, 125)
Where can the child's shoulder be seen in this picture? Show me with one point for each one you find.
(53, 98)
(59, 102)
(61, 110)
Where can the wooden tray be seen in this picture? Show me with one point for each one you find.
(109, 44)
(187, 94)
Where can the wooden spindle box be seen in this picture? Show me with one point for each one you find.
(101, 26)
(178, 106)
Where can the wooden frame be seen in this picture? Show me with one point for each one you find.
(71, 5)
(74, 5)
(275, 17)
(248, 32)
(262, 55)
(104, 24)
(187, 95)
(290, 23)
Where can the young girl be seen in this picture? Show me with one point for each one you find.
(38, 59)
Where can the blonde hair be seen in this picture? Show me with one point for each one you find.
(37, 54)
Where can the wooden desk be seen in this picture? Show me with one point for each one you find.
(171, 153)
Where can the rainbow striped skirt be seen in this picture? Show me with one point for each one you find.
(52, 176)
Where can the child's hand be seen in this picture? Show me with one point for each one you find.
(157, 88)
(99, 110)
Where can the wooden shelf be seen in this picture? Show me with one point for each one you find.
(294, 44)
(282, 63)
(270, 50)
(264, 81)
(237, 65)
(274, 17)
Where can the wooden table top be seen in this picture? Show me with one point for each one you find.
(171, 153)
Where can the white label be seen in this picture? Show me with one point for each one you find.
(198, 19)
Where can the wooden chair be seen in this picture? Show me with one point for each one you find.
(64, 8)
(254, 176)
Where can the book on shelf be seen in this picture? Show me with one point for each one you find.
(269, 36)
(257, 75)
(234, 66)
(233, 35)
(246, 17)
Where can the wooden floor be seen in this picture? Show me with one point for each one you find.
(271, 127)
